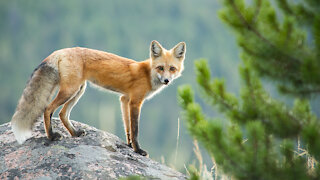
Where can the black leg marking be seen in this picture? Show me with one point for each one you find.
(135, 129)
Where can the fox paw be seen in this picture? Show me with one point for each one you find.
(79, 133)
(55, 136)
(141, 152)
(129, 145)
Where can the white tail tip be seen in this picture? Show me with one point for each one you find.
(21, 134)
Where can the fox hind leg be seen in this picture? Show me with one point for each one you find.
(63, 96)
(65, 112)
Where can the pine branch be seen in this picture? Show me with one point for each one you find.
(259, 35)
(256, 13)
(301, 92)
(210, 92)
(225, 155)
(283, 4)
(299, 11)
(287, 113)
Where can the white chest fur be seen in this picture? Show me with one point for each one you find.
(157, 86)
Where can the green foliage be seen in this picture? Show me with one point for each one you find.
(266, 138)
(261, 139)
(194, 175)
(278, 45)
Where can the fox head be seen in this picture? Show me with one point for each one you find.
(166, 65)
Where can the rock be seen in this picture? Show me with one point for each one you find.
(97, 155)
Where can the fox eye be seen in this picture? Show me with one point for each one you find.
(172, 68)
(160, 68)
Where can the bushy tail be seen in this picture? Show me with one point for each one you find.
(36, 96)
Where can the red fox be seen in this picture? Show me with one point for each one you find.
(69, 69)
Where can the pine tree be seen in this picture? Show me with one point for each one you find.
(266, 138)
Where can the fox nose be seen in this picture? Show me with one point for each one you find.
(166, 81)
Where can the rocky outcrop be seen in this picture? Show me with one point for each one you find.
(97, 155)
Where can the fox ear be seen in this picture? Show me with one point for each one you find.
(155, 49)
(180, 50)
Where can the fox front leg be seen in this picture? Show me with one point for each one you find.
(135, 107)
(125, 117)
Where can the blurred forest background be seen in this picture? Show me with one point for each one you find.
(31, 30)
